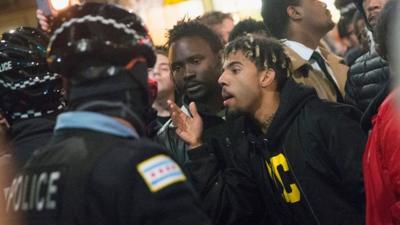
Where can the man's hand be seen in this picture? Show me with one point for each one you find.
(189, 129)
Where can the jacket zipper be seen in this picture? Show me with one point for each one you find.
(300, 188)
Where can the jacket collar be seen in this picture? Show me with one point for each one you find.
(96, 122)
(303, 51)
(300, 59)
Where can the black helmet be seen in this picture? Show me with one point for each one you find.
(100, 31)
(27, 88)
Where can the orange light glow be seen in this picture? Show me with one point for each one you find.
(59, 4)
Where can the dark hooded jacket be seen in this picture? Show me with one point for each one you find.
(305, 170)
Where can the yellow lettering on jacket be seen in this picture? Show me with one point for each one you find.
(293, 194)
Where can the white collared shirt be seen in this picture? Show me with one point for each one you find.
(305, 53)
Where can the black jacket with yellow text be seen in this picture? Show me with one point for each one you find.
(306, 170)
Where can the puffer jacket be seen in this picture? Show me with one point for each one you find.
(366, 78)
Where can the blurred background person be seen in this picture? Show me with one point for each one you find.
(248, 26)
(370, 72)
(221, 23)
(46, 20)
(360, 32)
(347, 35)
(301, 25)
(161, 73)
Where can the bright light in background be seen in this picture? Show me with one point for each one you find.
(159, 17)
(237, 5)
(59, 4)
(334, 11)
(255, 5)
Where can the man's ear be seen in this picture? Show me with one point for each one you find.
(266, 77)
(294, 12)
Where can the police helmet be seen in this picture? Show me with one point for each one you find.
(27, 88)
(95, 30)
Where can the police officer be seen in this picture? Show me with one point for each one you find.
(98, 169)
(30, 95)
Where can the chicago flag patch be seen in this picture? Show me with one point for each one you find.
(159, 172)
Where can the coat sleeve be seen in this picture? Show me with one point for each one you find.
(229, 193)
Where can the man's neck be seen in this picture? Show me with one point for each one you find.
(265, 113)
(309, 39)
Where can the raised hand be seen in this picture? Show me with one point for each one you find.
(43, 20)
(189, 129)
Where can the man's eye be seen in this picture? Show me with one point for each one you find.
(176, 68)
(235, 71)
(164, 69)
(196, 61)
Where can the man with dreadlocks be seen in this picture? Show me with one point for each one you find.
(296, 158)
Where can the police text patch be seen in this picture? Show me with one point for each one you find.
(36, 191)
(159, 172)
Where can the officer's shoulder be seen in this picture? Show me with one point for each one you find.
(155, 166)
(143, 148)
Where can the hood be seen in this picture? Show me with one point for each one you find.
(292, 99)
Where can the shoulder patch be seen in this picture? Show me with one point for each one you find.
(160, 171)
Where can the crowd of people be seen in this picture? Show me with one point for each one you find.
(254, 123)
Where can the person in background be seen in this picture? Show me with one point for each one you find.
(382, 154)
(99, 168)
(345, 28)
(248, 26)
(30, 95)
(301, 24)
(221, 23)
(44, 21)
(360, 31)
(370, 73)
(161, 73)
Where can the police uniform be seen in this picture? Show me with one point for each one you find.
(98, 171)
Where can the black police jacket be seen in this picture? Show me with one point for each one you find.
(306, 170)
(89, 177)
(28, 135)
(366, 77)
